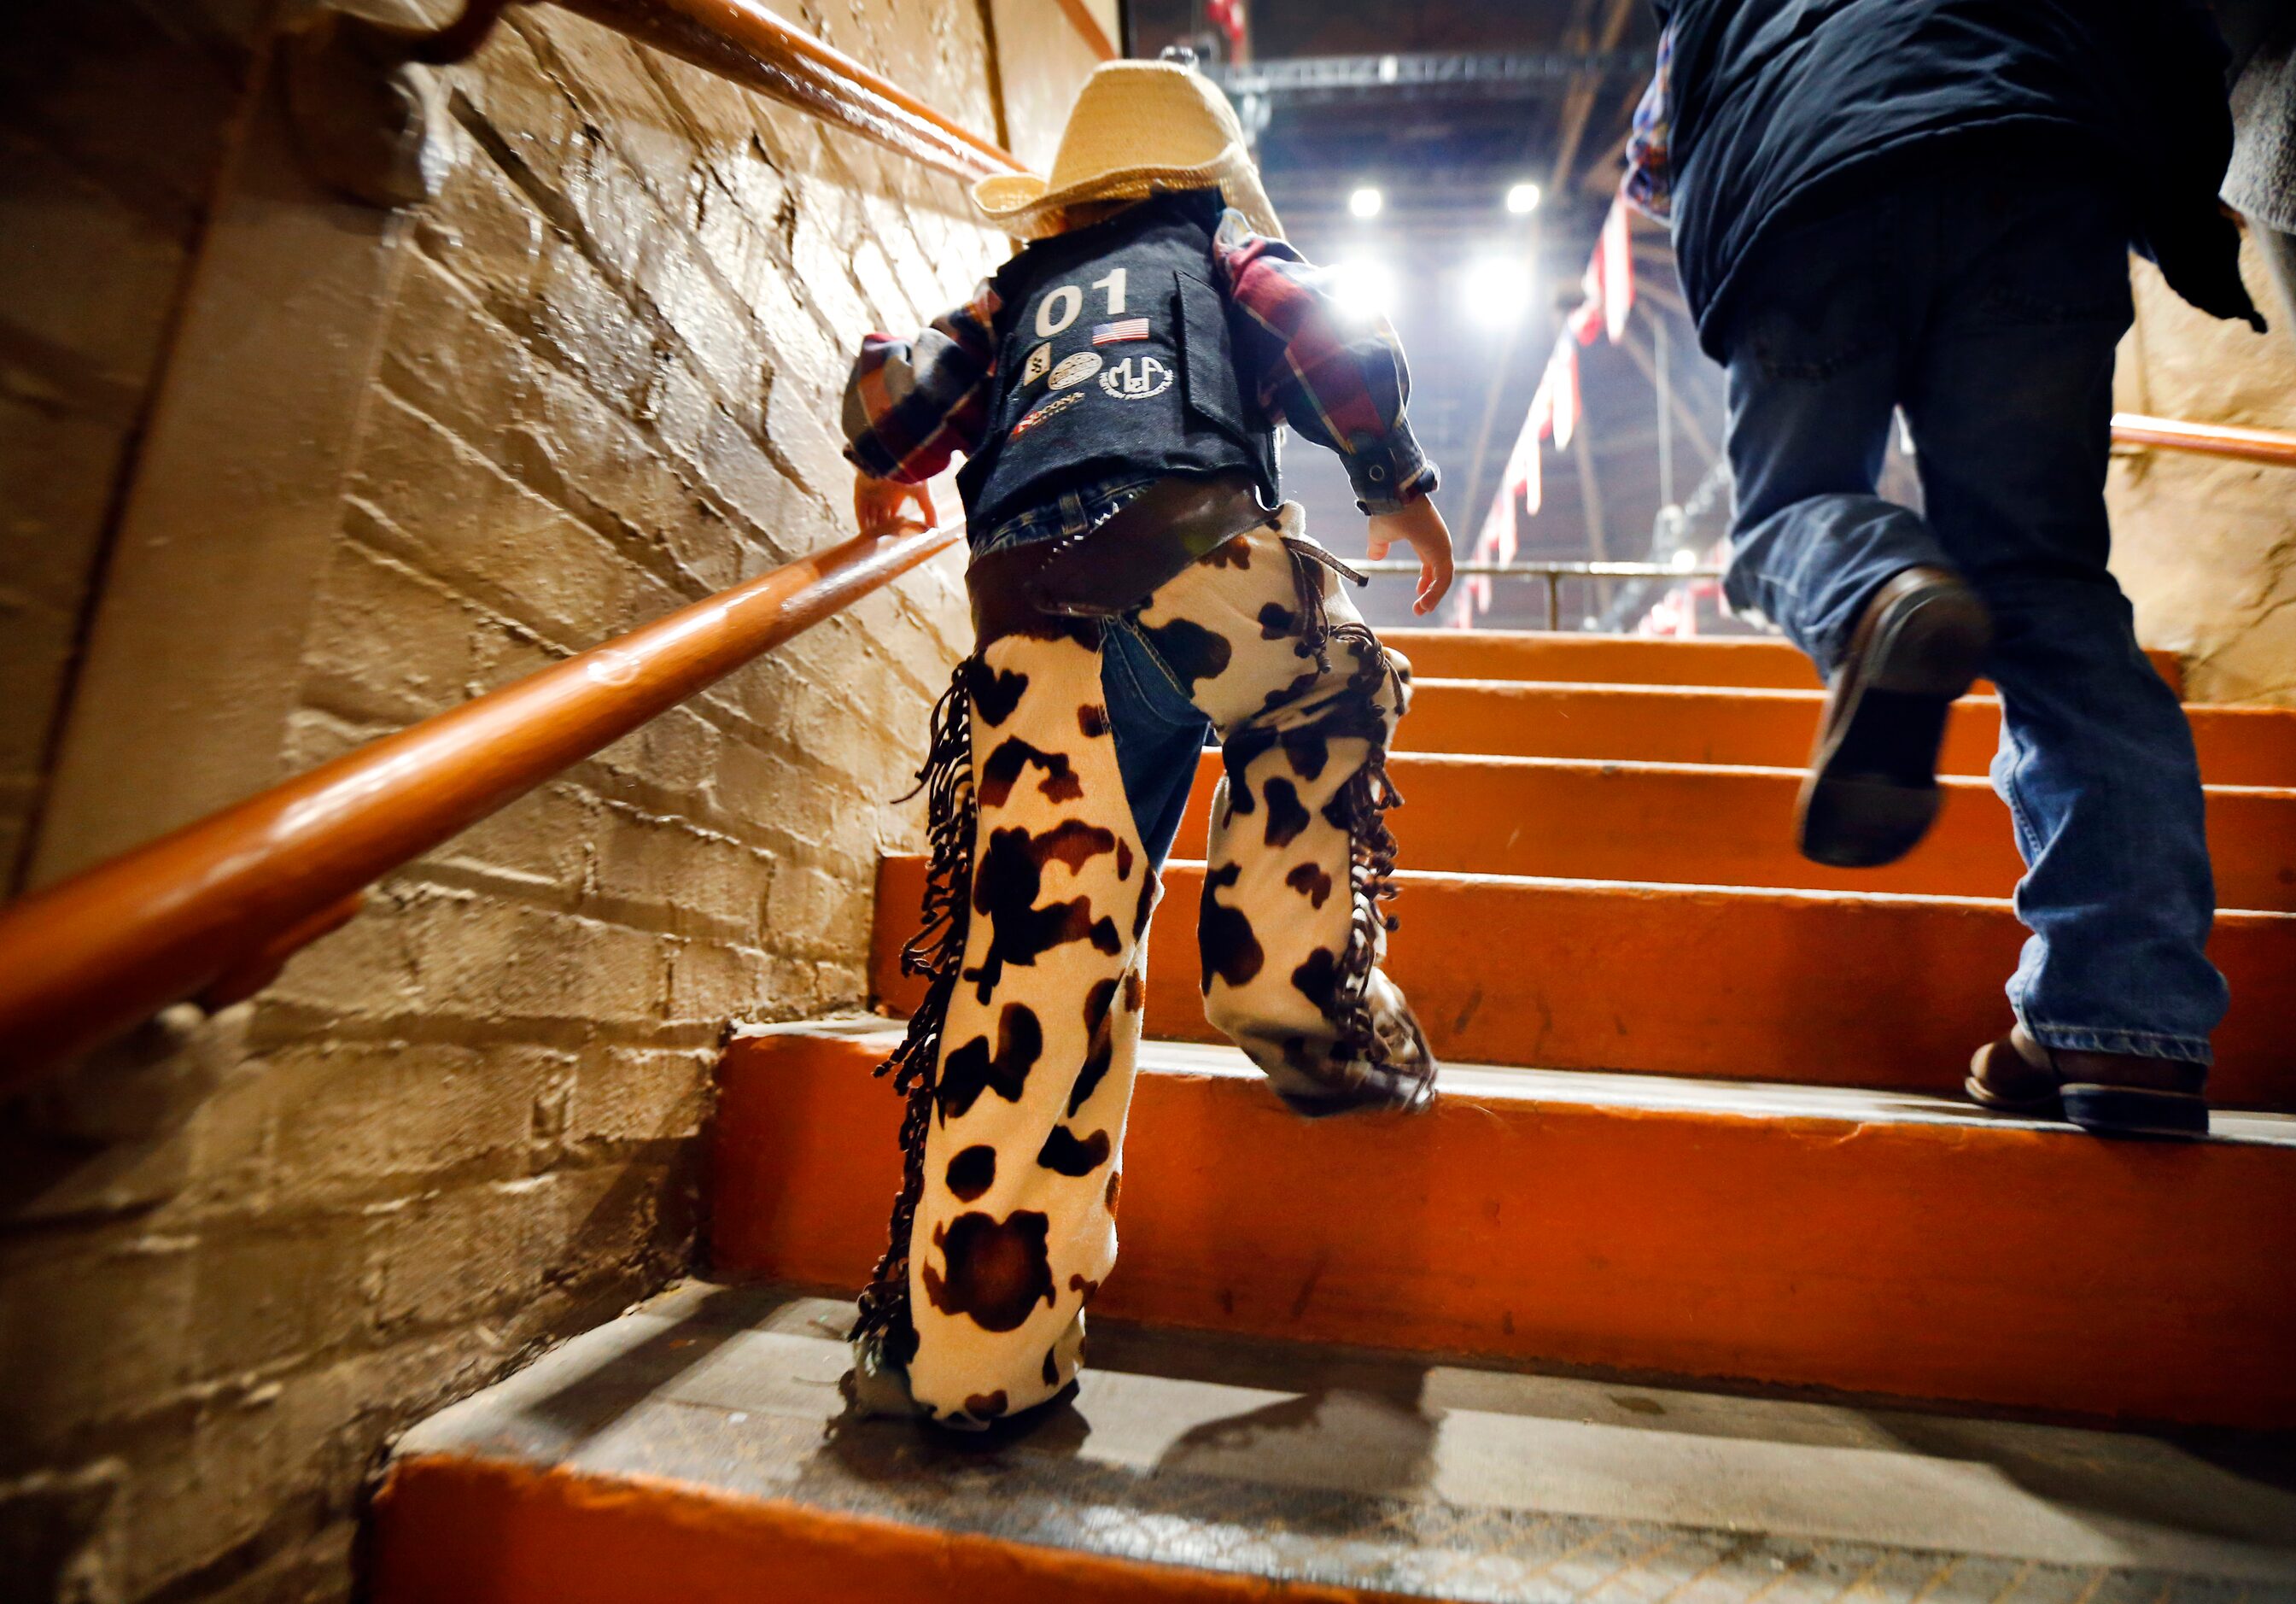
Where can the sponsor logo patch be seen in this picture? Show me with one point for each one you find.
(1058, 404)
(1039, 360)
(1137, 378)
(1123, 328)
(1076, 369)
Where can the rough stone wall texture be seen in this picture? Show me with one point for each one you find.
(2205, 548)
(113, 114)
(235, 1259)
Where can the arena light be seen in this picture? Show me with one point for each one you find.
(1522, 199)
(1363, 288)
(1685, 560)
(1497, 291)
(1366, 202)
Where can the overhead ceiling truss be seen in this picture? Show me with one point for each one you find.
(1483, 75)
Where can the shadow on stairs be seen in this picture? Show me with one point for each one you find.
(690, 1451)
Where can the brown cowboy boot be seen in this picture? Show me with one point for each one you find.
(1872, 792)
(2112, 1094)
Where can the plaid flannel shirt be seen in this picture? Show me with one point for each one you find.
(1339, 380)
(1649, 183)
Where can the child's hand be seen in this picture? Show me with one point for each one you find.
(1422, 527)
(877, 503)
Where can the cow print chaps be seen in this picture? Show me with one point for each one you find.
(1017, 1066)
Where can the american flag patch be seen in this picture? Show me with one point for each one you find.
(1129, 328)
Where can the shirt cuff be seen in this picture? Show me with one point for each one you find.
(1389, 473)
(870, 459)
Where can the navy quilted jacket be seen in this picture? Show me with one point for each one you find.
(1780, 104)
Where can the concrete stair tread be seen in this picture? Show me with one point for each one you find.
(2261, 918)
(1812, 696)
(1869, 988)
(1656, 690)
(685, 1450)
(2258, 918)
(1754, 1099)
(1763, 725)
(1538, 654)
(1532, 763)
(1677, 823)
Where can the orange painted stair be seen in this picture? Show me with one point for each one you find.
(1753, 662)
(1827, 988)
(1789, 1236)
(1763, 728)
(1700, 824)
(1714, 1133)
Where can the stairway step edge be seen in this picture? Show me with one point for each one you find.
(1620, 1091)
(1633, 687)
(1685, 890)
(1529, 764)
(1293, 1451)
(1761, 693)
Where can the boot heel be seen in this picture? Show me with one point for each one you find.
(2135, 1111)
(1936, 647)
(1871, 791)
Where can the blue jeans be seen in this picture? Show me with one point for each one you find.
(1986, 304)
(1158, 731)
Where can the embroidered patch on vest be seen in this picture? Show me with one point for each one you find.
(1125, 328)
(1057, 404)
(1040, 361)
(1137, 378)
(1075, 370)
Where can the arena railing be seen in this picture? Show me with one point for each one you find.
(2275, 447)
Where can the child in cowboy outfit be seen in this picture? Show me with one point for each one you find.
(1136, 580)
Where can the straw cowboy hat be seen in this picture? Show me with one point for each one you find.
(1138, 126)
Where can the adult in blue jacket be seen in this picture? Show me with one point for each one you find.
(1927, 207)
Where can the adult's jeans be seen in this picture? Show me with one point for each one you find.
(1985, 299)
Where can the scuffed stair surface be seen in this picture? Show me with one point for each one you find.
(1703, 824)
(1740, 659)
(1869, 1242)
(2238, 745)
(1844, 988)
(1851, 1106)
(686, 1451)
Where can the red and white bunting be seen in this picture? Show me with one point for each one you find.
(1616, 252)
(1608, 285)
(1494, 541)
(1562, 383)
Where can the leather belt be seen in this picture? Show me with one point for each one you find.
(1054, 587)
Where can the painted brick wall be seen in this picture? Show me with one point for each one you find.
(2206, 548)
(239, 1254)
(112, 115)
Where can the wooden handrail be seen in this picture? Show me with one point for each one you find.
(2276, 447)
(1088, 29)
(218, 905)
(743, 42)
(738, 40)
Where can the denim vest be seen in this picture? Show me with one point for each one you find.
(1115, 359)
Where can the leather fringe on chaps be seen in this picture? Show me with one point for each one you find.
(1361, 807)
(937, 952)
